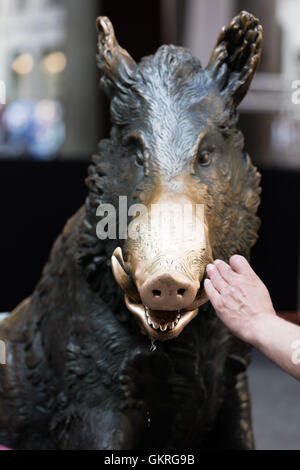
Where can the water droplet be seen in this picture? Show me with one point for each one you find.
(148, 419)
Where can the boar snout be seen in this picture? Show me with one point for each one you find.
(163, 302)
(168, 291)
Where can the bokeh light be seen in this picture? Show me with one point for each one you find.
(23, 64)
(54, 63)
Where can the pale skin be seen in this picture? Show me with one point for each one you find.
(243, 303)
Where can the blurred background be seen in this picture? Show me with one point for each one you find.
(52, 116)
(47, 61)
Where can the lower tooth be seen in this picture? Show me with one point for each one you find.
(163, 327)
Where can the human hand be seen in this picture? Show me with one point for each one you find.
(238, 296)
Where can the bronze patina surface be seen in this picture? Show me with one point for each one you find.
(79, 373)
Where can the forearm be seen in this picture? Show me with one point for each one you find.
(279, 340)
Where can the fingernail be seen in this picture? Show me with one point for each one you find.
(210, 267)
(217, 261)
(207, 281)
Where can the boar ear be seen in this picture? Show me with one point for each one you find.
(114, 62)
(236, 56)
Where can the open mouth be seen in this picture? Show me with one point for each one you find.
(163, 325)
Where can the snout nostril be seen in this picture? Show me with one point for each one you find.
(181, 291)
(156, 293)
(168, 291)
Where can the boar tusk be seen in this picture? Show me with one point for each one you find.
(119, 255)
(122, 276)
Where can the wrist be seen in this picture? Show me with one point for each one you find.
(260, 326)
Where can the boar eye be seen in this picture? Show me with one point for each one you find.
(139, 158)
(204, 157)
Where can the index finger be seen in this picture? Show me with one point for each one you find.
(240, 265)
(225, 270)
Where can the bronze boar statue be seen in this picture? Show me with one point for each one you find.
(144, 362)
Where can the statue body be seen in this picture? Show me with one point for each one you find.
(82, 372)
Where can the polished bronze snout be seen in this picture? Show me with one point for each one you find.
(163, 303)
(168, 291)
